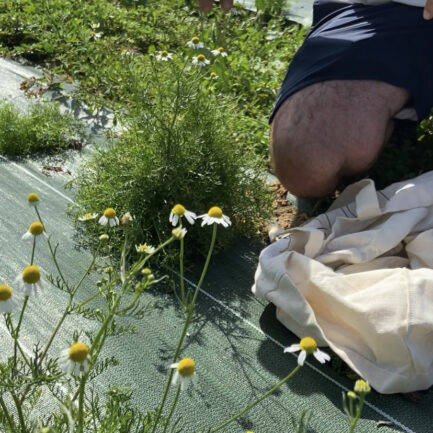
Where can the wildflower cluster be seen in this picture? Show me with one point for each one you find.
(200, 55)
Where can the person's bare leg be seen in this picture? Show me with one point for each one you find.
(330, 130)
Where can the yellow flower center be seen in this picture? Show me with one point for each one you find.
(220, 49)
(146, 271)
(33, 197)
(88, 216)
(110, 213)
(186, 367)
(164, 53)
(212, 74)
(36, 228)
(179, 210)
(5, 292)
(215, 212)
(78, 352)
(201, 58)
(308, 344)
(361, 387)
(143, 248)
(31, 274)
(195, 40)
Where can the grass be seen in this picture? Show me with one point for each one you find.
(43, 128)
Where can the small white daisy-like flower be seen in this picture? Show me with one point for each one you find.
(75, 360)
(215, 215)
(29, 280)
(8, 300)
(164, 56)
(88, 217)
(195, 43)
(308, 346)
(33, 199)
(213, 76)
(144, 248)
(178, 233)
(185, 373)
(200, 60)
(178, 212)
(219, 52)
(35, 232)
(109, 217)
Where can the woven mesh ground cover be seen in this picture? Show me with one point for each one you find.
(235, 339)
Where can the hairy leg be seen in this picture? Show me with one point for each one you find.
(331, 130)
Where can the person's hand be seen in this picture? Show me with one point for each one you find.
(428, 10)
(206, 5)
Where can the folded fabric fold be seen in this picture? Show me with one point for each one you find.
(360, 280)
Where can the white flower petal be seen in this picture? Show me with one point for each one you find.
(321, 356)
(103, 220)
(301, 357)
(292, 348)
(176, 377)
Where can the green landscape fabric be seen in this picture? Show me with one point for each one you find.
(236, 362)
(235, 339)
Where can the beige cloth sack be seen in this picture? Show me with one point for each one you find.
(359, 279)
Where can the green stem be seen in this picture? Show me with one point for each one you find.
(190, 309)
(20, 413)
(206, 265)
(265, 395)
(51, 250)
(173, 406)
(7, 415)
(17, 329)
(181, 271)
(81, 403)
(33, 250)
(358, 413)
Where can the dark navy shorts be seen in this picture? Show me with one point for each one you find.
(390, 42)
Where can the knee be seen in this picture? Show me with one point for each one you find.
(305, 168)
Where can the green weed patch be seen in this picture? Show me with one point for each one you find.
(43, 128)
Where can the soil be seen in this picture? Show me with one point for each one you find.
(285, 214)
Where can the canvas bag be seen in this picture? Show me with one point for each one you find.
(359, 279)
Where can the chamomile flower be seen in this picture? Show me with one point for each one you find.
(75, 359)
(185, 373)
(219, 52)
(178, 212)
(164, 56)
(29, 280)
(8, 300)
(362, 387)
(88, 217)
(308, 346)
(33, 199)
(109, 217)
(195, 43)
(215, 216)
(35, 232)
(178, 233)
(144, 248)
(213, 76)
(200, 60)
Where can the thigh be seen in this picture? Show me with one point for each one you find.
(341, 122)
